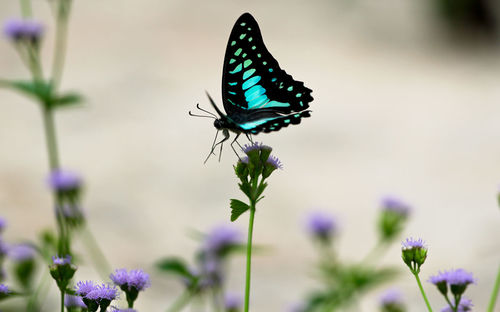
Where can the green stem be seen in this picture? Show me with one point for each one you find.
(423, 292)
(249, 256)
(181, 301)
(100, 262)
(375, 254)
(62, 300)
(50, 137)
(494, 293)
(40, 291)
(62, 17)
(26, 8)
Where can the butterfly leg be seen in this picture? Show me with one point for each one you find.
(226, 136)
(232, 145)
(249, 137)
(213, 147)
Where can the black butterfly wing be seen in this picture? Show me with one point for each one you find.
(257, 94)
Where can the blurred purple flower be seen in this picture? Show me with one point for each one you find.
(321, 224)
(221, 237)
(459, 277)
(391, 297)
(464, 306)
(134, 278)
(82, 288)
(255, 146)
(3, 224)
(17, 29)
(439, 278)
(233, 302)
(4, 289)
(61, 260)
(123, 310)
(396, 205)
(411, 243)
(21, 252)
(275, 162)
(62, 180)
(74, 302)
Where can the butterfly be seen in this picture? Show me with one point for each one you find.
(258, 96)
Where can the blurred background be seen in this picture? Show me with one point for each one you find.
(406, 102)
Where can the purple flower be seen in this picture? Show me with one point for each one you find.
(84, 287)
(275, 162)
(395, 205)
(321, 224)
(464, 306)
(21, 252)
(123, 310)
(391, 297)
(255, 146)
(4, 289)
(61, 260)
(74, 302)
(134, 278)
(17, 29)
(441, 277)
(412, 243)
(221, 237)
(3, 224)
(457, 280)
(459, 277)
(101, 292)
(232, 302)
(62, 180)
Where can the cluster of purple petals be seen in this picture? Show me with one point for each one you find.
(82, 288)
(63, 180)
(17, 29)
(74, 302)
(102, 291)
(464, 306)
(123, 310)
(21, 252)
(255, 146)
(220, 237)
(411, 243)
(275, 162)
(396, 205)
(4, 289)
(233, 301)
(321, 224)
(390, 297)
(134, 278)
(61, 260)
(453, 277)
(3, 224)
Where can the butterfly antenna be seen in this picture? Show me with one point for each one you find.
(204, 110)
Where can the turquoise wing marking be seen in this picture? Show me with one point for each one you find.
(253, 124)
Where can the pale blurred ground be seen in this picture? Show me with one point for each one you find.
(397, 110)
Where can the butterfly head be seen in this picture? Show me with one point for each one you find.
(221, 123)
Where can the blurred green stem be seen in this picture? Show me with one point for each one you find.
(422, 291)
(50, 137)
(494, 293)
(181, 301)
(375, 254)
(26, 8)
(42, 289)
(62, 300)
(100, 262)
(249, 255)
(62, 17)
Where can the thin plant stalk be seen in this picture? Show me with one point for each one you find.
(62, 300)
(62, 17)
(100, 262)
(422, 292)
(249, 256)
(26, 10)
(181, 302)
(494, 293)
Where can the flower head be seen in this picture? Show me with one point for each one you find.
(62, 180)
(396, 205)
(414, 253)
(19, 29)
(391, 301)
(4, 289)
(84, 287)
(255, 146)
(457, 280)
(73, 302)
(134, 278)
(464, 306)
(460, 277)
(321, 225)
(102, 292)
(220, 238)
(232, 302)
(275, 162)
(21, 252)
(123, 310)
(56, 260)
(3, 224)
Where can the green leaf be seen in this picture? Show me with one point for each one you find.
(38, 89)
(174, 265)
(245, 188)
(261, 188)
(70, 98)
(237, 208)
